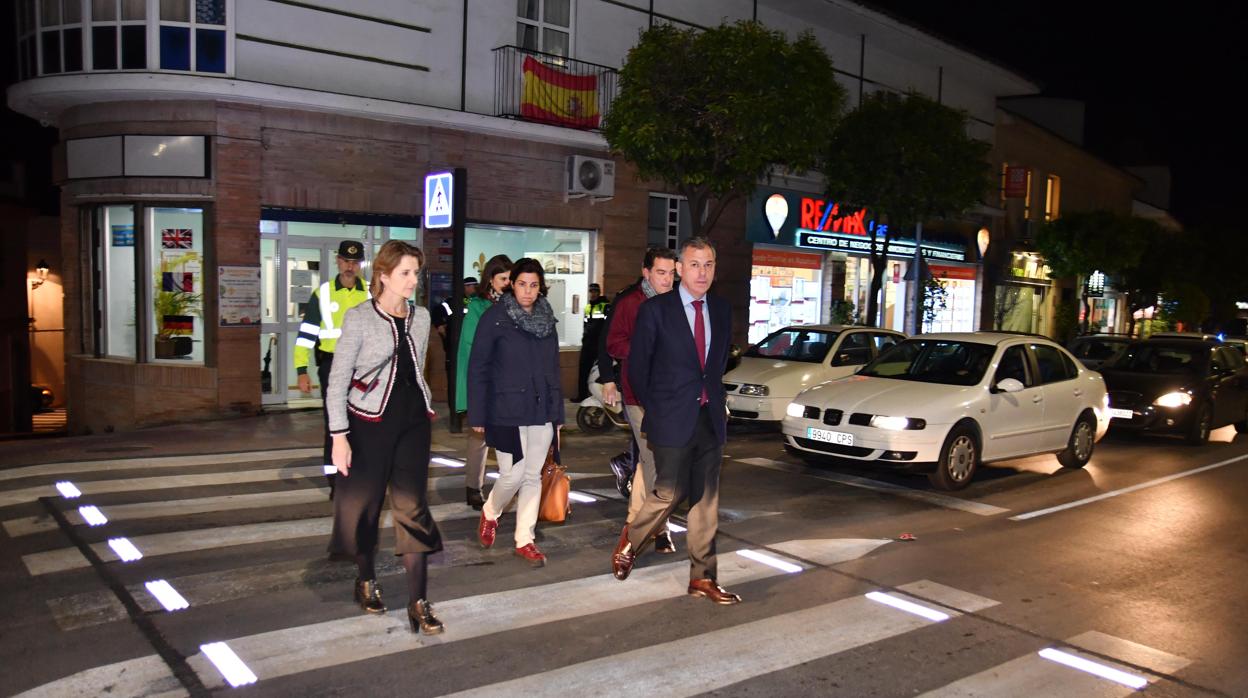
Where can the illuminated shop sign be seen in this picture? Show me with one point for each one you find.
(793, 218)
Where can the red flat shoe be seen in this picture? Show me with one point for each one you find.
(532, 555)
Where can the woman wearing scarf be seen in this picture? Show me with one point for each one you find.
(497, 277)
(515, 400)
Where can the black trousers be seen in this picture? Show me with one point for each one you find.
(391, 453)
(589, 357)
(325, 362)
(686, 472)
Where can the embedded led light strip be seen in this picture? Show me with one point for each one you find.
(493, 476)
(231, 667)
(1101, 670)
(770, 561)
(329, 469)
(167, 595)
(125, 549)
(585, 498)
(447, 462)
(675, 527)
(92, 515)
(907, 606)
(67, 490)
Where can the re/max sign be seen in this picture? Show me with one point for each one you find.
(817, 215)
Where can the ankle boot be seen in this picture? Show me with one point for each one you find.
(474, 499)
(368, 596)
(420, 615)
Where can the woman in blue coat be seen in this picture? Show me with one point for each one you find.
(515, 400)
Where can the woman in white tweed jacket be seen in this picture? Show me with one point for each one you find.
(379, 410)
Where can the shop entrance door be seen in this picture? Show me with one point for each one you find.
(292, 269)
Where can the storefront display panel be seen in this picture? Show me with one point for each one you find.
(786, 288)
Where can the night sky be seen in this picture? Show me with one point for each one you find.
(1160, 86)
(1159, 79)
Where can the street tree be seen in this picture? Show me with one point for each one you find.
(711, 113)
(907, 159)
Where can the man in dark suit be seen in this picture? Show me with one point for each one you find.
(676, 369)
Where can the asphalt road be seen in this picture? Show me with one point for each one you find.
(1134, 563)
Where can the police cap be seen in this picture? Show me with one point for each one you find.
(350, 249)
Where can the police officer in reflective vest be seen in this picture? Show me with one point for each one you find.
(595, 319)
(322, 325)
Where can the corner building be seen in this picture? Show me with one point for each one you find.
(214, 152)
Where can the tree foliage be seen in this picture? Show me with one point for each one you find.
(710, 113)
(907, 159)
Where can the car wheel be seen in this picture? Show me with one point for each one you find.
(958, 459)
(1202, 424)
(593, 420)
(1079, 449)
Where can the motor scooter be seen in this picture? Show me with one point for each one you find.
(595, 416)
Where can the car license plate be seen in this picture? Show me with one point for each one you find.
(831, 437)
(1121, 414)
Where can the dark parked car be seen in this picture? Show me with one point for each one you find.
(1095, 350)
(1184, 386)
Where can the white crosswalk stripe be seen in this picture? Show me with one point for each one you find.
(153, 462)
(1032, 675)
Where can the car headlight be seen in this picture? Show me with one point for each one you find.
(755, 390)
(879, 421)
(1176, 399)
(795, 410)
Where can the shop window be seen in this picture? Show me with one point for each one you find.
(149, 283)
(544, 25)
(667, 221)
(565, 255)
(1052, 197)
(175, 242)
(116, 287)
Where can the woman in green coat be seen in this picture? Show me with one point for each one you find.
(496, 277)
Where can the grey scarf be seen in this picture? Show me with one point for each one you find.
(647, 289)
(539, 323)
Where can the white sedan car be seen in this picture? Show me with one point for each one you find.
(955, 400)
(788, 361)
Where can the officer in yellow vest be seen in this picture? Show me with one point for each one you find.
(322, 325)
(595, 319)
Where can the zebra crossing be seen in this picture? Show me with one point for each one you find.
(736, 646)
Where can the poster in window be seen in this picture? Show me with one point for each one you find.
(177, 238)
(578, 262)
(563, 263)
(123, 235)
(238, 301)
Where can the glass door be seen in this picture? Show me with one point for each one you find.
(304, 267)
(273, 356)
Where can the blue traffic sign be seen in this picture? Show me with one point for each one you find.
(438, 193)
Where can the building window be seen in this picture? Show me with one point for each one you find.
(545, 25)
(59, 32)
(118, 35)
(1052, 198)
(192, 29)
(149, 269)
(667, 221)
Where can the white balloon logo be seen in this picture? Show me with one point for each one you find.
(777, 210)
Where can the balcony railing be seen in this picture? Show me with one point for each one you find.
(550, 89)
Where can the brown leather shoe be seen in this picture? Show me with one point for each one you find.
(663, 543)
(709, 589)
(622, 558)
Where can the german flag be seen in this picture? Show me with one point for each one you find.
(554, 97)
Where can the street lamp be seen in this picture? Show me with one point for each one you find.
(982, 238)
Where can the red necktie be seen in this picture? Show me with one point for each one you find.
(699, 342)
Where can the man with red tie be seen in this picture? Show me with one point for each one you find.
(676, 369)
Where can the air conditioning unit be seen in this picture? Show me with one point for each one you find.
(593, 177)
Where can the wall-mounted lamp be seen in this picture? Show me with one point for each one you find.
(983, 238)
(41, 270)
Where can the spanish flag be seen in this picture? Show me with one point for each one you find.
(555, 97)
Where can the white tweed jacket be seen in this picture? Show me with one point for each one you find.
(368, 338)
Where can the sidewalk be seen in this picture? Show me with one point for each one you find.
(282, 429)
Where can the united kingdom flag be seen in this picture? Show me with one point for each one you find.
(176, 238)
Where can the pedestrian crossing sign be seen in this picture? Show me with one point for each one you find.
(438, 193)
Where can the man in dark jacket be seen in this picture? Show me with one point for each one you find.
(675, 369)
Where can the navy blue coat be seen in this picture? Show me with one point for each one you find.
(665, 374)
(513, 377)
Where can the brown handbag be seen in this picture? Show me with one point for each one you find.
(556, 484)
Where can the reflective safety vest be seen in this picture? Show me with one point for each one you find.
(322, 321)
(597, 310)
